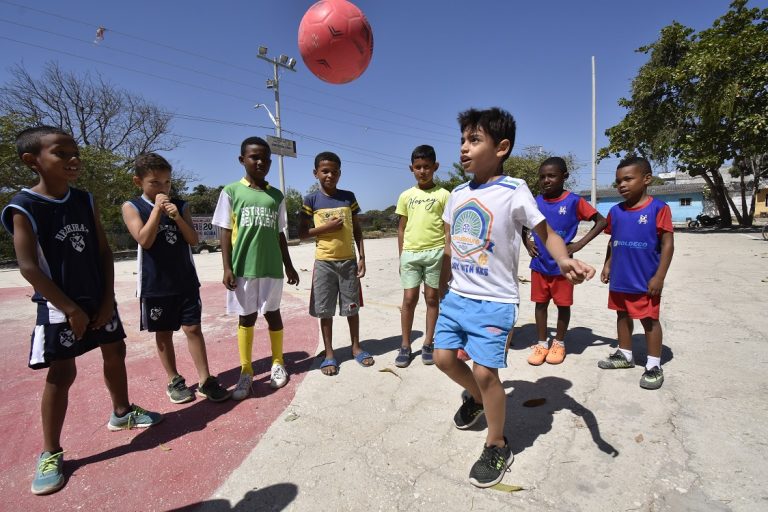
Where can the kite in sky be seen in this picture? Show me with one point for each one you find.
(99, 35)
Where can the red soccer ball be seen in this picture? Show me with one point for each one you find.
(335, 41)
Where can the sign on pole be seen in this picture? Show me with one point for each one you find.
(280, 146)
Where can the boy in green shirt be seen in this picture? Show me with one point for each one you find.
(420, 242)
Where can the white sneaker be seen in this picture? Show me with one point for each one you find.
(279, 376)
(243, 388)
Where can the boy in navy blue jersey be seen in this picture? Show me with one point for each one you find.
(167, 282)
(636, 264)
(563, 211)
(63, 253)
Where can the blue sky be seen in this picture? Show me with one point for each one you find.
(431, 60)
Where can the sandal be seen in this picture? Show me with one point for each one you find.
(327, 363)
(364, 356)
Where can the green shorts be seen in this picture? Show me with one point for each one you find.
(421, 267)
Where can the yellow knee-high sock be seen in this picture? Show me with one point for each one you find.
(245, 347)
(276, 339)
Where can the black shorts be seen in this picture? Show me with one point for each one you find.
(171, 312)
(53, 342)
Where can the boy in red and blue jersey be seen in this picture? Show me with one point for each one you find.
(563, 211)
(639, 254)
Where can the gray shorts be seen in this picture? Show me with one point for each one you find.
(332, 282)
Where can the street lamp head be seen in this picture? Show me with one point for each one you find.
(283, 59)
(262, 50)
(291, 63)
(270, 83)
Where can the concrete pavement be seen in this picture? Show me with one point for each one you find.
(372, 440)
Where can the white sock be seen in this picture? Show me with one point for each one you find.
(561, 343)
(652, 361)
(627, 354)
(544, 343)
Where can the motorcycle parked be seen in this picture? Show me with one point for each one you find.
(703, 220)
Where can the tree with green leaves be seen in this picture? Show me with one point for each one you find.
(700, 101)
(524, 165)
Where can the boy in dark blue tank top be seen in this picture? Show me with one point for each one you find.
(167, 283)
(63, 253)
(639, 254)
(563, 211)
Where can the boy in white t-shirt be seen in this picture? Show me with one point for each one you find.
(420, 242)
(483, 221)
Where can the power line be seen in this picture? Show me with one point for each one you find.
(200, 56)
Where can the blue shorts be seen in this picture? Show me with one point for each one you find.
(171, 312)
(480, 327)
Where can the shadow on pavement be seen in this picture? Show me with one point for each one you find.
(195, 417)
(579, 339)
(530, 410)
(272, 498)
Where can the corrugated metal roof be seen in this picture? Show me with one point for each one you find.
(655, 190)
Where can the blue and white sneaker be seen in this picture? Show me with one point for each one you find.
(135, 418)
(49, 475)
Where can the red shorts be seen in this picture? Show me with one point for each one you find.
(637, 305)
(557, 288)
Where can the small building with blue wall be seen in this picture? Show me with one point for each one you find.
(686, 201)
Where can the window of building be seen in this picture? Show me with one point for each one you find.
(685, 201)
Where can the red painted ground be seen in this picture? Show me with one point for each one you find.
(179, 462)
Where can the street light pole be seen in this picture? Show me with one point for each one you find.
(274, 83)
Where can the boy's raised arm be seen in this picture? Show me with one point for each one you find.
(144, 234)
(186, 227)
(574, 270)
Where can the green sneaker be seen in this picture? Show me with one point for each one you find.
(652, 379)
(615, 361)
(49, 475)
(178, 392)
(212, 390)
(135, 418)
(491, 466)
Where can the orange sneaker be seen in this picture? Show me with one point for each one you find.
(556, 353)
(538, 354)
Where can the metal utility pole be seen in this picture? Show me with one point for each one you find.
(594, 140)
(289, 63)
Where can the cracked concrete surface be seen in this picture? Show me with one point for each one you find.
(368, 440)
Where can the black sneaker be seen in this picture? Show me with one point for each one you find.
(212, 390)
(491, 466)
(178, 391)
(428, 354)
(468, 413)
(403, 358)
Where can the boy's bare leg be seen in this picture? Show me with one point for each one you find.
(196, 344)
(354, 335)
(164, 342)
(563, 319)
(541, 320)
(494, 403)
(653, 336)
(410, 299)
(115, 376)
(326, 329)
(432, 298)
(458, 372)
(624, 327)
(53, 406)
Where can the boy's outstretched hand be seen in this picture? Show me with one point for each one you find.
(575, 271)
